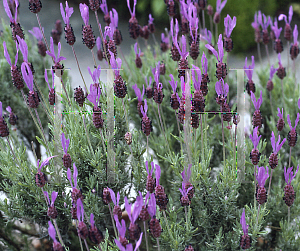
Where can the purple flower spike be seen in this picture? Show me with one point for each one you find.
(129, 246)
(157, 174)
(257, 20)
(7, 55)
(254, 138)
(204, 63)
(44, 163)
(7, 109)
(243, 223)
(220, 6)
(249, 69)
(138, 92)
(65, 142)
(121, 228)
(186, 174)
(152, 205)
(280, 114)
(229, 25)
(183, 191)
(174, 37)
(276, 145)
(27, 75)
(276, 30)
(296, 121)
(257, 103)
(80, 210)
(220, 49)
(84, 11)
(267, 21)
(96, 74)
(94, 95)
(53, 198)
(262, 176)
(135, 49)
(288, 174)
(52, 53)
(132, 13)
(221, 88)
(164, 39)
(272, 72)
(282, 16)
(36, 32)
(23, 48)
(115, 64)
(113, 197)
(151, 171)
(295, 35)
(52, 232)
(66, 15)
(174, 84)
(144, 109)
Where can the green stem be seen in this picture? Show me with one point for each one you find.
(290, 157)
(179, 134)
(289, 215)
(223, 137)
(112, 219)
(145, 231)
(58, 233)
(86, 245)
(257, 215)
(158, 247)
(269, 191)
(254, 185)
(81, 247)
(258, 51)
(79, 67)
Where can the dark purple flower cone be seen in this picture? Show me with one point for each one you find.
(139, 104)
(258, 37)
(149, 92)
(280, 124)
(134, 231)
(158, 95)
(3, 128)
(58, 66)
(270, 85)
(194, 50)
(88, 37)
(185, 201)
(278, 46)
(181, 111)
(273, 160)
(42, 48)
(183, 65)
(52, 212)
(134, 29)
(250, 87)
(69, 35)
(146, 126)
(146, 32)
(204, 82)
(171, 8)
(58, 26)
(175, 53)
(82, 230)
(79, 96)
(128, 138)
(16, 29)
(292, 137)
(220, 100)
(35, 6)
(202, 4)
(74, 212)
(57, 246)
(221, 71)
(255, 156)
(245, 241)
(106, 196)
(151, 28)
(189, 248)
(97, 117)
(51, 96)
(191, 192)
(162, 68)
(209, 51)
(95, 235)
(184, 26)
(289, 195)
(12, 118)
(33, 99)
(154, 227)
(217, 17)
(226, 114)
(117, 211)
(138, 62)
(161, 197)
(112, 47)
(120, 87)
(150, 184)
(117, 36)
(261, 195)
(194, 118)
(16, 77)
(106, 19)
(294, 51)
(265, 37)
(40, 179)
(228, 44)
(123, 241)
(281, 72)
(174, 101)
(67, 161)
(210, 10)
(144, 215)
(56, 36)
(76, 194)
(163, 46)
(257, 119)
(288, 32)
(94, 5)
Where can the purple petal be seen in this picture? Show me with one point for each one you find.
(6, 53)
(51, 231)
(53, 197)
(282, 16)
(84, 11)
(299, 103)
(204, 63)
(293, 176)
(92, 220)
(80, 210)
(7, 10)
(152, 165)
(138, 242)
(273, 142)
(150, 19)
(103, 7)
(118, 198)
(113, 196)
(137, 208)
(118, 243)
(23, 48)
(98, 43)
(137, 92)
(62, 12)
(152, 205)
(69, 175)
(289, 121)
(7, 109)
(47, 196)
(174, 84)
(272, 72)
(212, 49)
(135, 48)
(75, 174)
(290, 13)
(243, 222)
(218, 87)
(295, 35)
(28, 78)
(297, 120)
(46, 161)
(280, 114)
(280, 145)
(157, 174)
(128, 209)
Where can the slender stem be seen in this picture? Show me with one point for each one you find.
(147, 147)
(112, 219)
(163, 131)
(179, 134)
(79, 236)
(257, 215)
(211, 23)
(223, 137)
(267, 51)
(40, 25)
(294, 69)
(186, 216)
(289, 215)
(145, 230)
(258, 51)
(16, 160)
(216, 34)
(38, 117)
(36, 159)
(79, 67)
(158, 247)
(125, 114)
(254, 185)
(58, 233)
(282, 89)
(154, 39)
(86, 131)
(62, 82)
(271, 104)
(203, 20)
(102, 140)
(288, 54)
(93, 54)
(86, 245)
(290, 157)
(269, 191)
(101, 35)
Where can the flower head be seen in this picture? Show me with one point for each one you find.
(27, 75)
(103, 7)
(53, 197)
(134, 214)
(183, 191)
(121, 228)
(219, 55)
(151, 19)
(254, 138)
(262, 176)
(204, 63)
(272, 72)
(52, 53)
(144, 108)
(288, 174)
(96, 74)
(276, 145)
(65, 142)
(197, 82)
(295, 35)
(296, 121)
(113, 197)
(94, 95)
(186, 174)
(282, 16)
(44, 163)
(138, 92)
(8, 12)
(280, 114)
(52, 232)
(36, 32)
(265, 24)
(129, 246)
(257, 103)
(46, 78)
(243, 223)
(132, 12)
(276, 30)
(75, 174)
(257, 20)
(193, 20)
(150, 81)
(84, 11)
(221, 88)
(164, 39)
(7, 55)
(229, 25)
(66, 15)
(249, 69)
(220, 5)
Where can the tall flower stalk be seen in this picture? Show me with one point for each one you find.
(292, 135)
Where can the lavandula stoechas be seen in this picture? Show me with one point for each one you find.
(146, 122)
(184, 18)
(52, 233)
(69, 32)
(150, 184)
(95, 235)
(154, 225)
(134, 28)
(250, 86)
(174, 99)
(106, 17)
(219, 7)
(138, 60)
(292, 135)
(16, 75)
(51, 96)
(109, 44)
(12, 119)
(151, 24)
(287, 29)
(94, 5)
(261, 177)
(184, 198)
(221, 71)
(183, 63)
(257, 118)
(229, 24)
(289, 193)
(280, 122)
(280, 71)
(245, 240)
(117, 209)
(81, 227)
(24, 50)
(42, 48)
(52, 212)
(265, 22)
(164, 44)
(194, 36)
(198, 100)
(294, 50)
(149, 89)
(15, 26)
(67, 161)
(158, 89)
(120, 88)
(255, 154)
(57, 65)
(270, 84)
(134, 229)
(4, 132)
(278, 46)
(205, 78)
(122, 230)
(88, 37)
(35, 6)
(174, 51)
(117, 36)
(139, 96)
(206, 35)
(160, 195)
(129, 246)
(41, 178)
